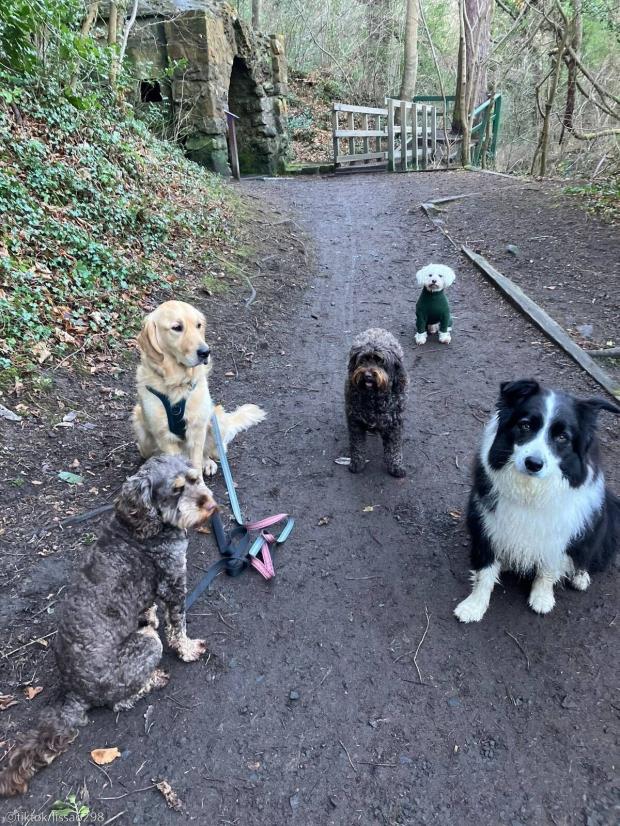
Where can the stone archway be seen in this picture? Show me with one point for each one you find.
(244, 102)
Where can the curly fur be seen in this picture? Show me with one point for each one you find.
(107, 647)
(375, 396)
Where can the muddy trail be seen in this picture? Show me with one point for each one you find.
(345, 692)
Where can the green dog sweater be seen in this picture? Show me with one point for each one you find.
(432, 308)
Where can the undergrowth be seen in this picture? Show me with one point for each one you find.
(95, 214)
(601, 197)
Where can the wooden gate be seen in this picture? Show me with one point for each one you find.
(402, 135)
(410, 135)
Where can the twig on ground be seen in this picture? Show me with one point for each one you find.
(326, 675)
(521, 648)
(26, 645)
(227, 624)
(383, 765)
(113, 818)
(102, 770)
(346, 750)
(133, 791)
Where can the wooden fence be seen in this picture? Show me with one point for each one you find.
(409, 134)
(402, 135)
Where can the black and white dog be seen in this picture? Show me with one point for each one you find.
(539, 502)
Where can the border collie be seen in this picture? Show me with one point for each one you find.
(539, 502)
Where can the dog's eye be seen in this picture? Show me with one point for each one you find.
(178, 328)
(199, 325)
(562, 438)
(525, 426)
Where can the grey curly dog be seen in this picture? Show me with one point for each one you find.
(375, 397)
(107, 646)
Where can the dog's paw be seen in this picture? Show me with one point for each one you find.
(445, 338)
(210, 468)
(357, 465)
(420, 338)
(471, 609)
(191, 650)
(159, 678)
(398, 471)
(541, 598)
(581, 580)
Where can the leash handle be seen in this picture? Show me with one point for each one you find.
(230, 485)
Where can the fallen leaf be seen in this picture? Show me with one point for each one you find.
(367, 509)
(70, 478)
(31, 691)
(104, 756)
(70, 416)
(455, 514)
(6, 701)
(36, 482)
(41, 641)
(324, 520)
(170, 796)
(343, 460)
(41, 352)
(230, 373)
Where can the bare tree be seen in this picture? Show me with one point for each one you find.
(474, 47)
(256, 13)
(410, 67)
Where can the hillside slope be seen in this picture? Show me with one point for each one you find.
(96, 214)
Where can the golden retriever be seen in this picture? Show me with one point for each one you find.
(174, 406)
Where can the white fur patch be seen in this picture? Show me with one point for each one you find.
(474, 607)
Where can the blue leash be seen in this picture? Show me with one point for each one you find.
(236, 550)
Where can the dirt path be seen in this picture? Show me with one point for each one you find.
(310, 711)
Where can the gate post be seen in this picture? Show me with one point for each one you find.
(390, 134)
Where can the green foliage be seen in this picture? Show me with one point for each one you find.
(88, 223)
(71, 807)
(602, 197)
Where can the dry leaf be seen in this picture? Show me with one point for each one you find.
(343, 460)
(367, 509)
(324, 520)
(170, 796)
(6, 701)
(104, 756)
(455, 514)
(31, 691)
(42, 642)
(229, 373)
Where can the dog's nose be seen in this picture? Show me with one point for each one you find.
(533, 464)
(203, 352)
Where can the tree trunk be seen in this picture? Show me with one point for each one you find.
(474, 45)
(571, 87)
(256, 13)
(410, 68)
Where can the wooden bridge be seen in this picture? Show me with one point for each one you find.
(410, 135)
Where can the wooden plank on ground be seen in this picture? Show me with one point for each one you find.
(544, 321)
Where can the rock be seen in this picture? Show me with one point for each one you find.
(293, 696)
(7, 414)
(586, 330)
(513, 250)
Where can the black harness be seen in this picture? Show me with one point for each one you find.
(175, 413)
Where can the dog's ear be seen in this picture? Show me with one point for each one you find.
(420, 276)
(134, 507)
(449, 277)
(514, 392)
(148, 342)
(587, 413)
(354, 355)
(399, 380)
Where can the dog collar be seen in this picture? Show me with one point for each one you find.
(175, 413)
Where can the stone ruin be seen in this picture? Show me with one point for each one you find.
(214, 62)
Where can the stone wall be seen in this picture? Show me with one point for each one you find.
(221, 63)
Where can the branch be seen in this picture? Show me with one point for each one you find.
(128, 27)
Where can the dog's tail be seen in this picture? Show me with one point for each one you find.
(42, 745)
(238, 420)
